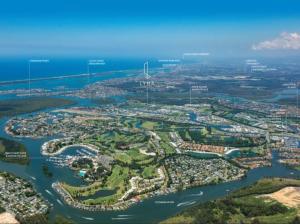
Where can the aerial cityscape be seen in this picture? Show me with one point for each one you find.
(164, 112)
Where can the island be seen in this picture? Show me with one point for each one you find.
(18, 106)
(12, 151)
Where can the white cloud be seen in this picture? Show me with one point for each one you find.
(286, 41)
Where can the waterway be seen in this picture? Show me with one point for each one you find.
(142, 212)
(151, 210)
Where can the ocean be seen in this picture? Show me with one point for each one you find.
(18, 68)
(12, 69)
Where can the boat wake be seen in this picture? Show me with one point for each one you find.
(120, 218)
(125, 215)
(48, 192)
(33, 178)
(186, 203)
(164, 202)
(87, 218)
(197, 195)
(59, 202)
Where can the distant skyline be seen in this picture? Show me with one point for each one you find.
(153, 28)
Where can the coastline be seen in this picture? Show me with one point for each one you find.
(203, 152)
(45, 152)
(231, 150)
(124, 204)
(214, 153)
(130, 197)
(6, 129)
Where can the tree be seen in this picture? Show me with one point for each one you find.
(255, 221)
(62, 220)
(296, 220)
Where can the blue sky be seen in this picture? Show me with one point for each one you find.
(148, 28)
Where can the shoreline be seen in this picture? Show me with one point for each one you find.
(125, 204)
(231, 150)
(45, 152)
(203, 152)
(121, 205)
(80, 75)
(130, 197)
(214, 153)
(6, 129)
(69, 200)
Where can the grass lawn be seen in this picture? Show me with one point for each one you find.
(149, 172)
(136, 155)
(165, 143)
(150, 125)
(83, 191)
(123, 157)
(118, 180)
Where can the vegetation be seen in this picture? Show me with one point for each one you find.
(14, 107)
(84, 190)
(46, 171)
(12, 151)
(2, 210)
(129, 152)
(243, 206)
(150, 125)
(116, 181)
(149, 172)
(112, 140)
(35, 219)
(82, 163)
(124, 158)
(62, 220)
(104, 101)
(219, 138)
(266, 186)
(169, 150)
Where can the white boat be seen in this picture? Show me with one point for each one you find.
(32, 177)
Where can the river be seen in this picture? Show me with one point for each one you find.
(151, 210)
(148, 211)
